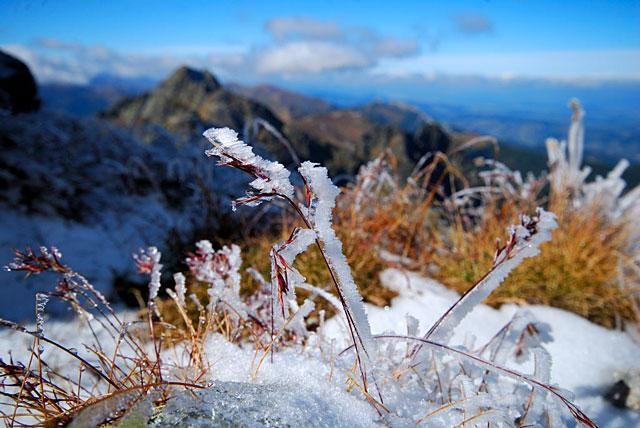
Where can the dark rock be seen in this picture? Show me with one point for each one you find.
(18, 89)
(625, 393)
(618, 393)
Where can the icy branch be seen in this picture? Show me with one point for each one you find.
(326, 193)
(270, 178)
(524, 242)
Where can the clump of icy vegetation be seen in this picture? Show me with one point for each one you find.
(412, 379)
(355, 377)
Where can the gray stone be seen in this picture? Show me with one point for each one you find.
(231, 404)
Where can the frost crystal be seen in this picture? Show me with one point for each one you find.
(148, 262)
(221, 271)
(270, 178)
(41, 303)
(326, 193)
(284, 277)
(525, 241)
(181, 288)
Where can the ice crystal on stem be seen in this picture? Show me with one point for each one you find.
(326, 193)
(270, 178)
(181, 288)
(221, 271)
(524, 242)
(148, 262)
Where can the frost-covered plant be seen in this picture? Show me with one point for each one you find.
(271, 180)
(148, 262)
(605, 194)
(407, 379)
(524, 242)
(594, 250)
(113, 366)
(604, 197)
(475, 383)
(220, 270)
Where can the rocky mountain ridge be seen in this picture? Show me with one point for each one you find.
(190, 101)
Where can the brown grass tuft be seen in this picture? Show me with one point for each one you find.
(577, 271)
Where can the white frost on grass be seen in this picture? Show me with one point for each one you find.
(524, 243)
(181, 288)
(326, 193)
(220, 270)
(269, 177)
(585, 356)
(148, 261)
(283, 274)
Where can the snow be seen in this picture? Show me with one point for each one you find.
(585, 357)
(257, 405)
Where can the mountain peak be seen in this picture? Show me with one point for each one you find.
(185, 76)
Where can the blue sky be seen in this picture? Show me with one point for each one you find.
(320, 42)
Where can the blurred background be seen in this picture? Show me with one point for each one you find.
(103, 105)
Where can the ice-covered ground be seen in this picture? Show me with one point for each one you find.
(585, 356)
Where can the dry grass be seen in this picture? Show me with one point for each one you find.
(120, 366)
(577, 271)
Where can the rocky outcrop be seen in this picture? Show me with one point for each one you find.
(18, 89)
(188, 102)
(345, 139)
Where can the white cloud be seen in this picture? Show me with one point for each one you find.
(310, 57)
(395, 48)
(561, 65)
(306, 45)
(53, 60)
(298, 46)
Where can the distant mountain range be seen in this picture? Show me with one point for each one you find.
(189, 101)
(286, 104)
(609, 138)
